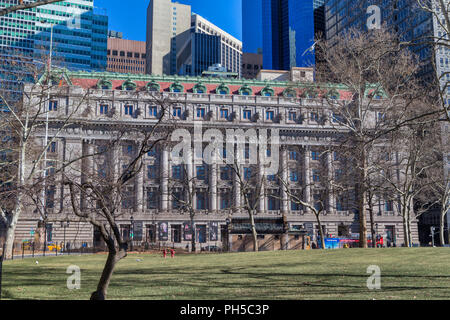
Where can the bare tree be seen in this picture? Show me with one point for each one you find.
(24, 125)
(102, 197)
(379, 77)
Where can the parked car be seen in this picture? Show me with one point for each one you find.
(53, 247)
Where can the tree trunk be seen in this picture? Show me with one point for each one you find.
(110, 265)
(405, 229)
(11, 230)
(254, 233)
(193, 233)
(372, 229)
(442, 226)
(322, 238)
(362, 198)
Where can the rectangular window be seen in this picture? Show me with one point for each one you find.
(177, 112)
(294, 176)
(201, 172)
(316, 177)
(224, 113)
(53, 105)
(152, 200)
(176, 172)
(225, 173)
(103, 109)
(314, 116)
(269, 115)
(315, 155)
(247, 114)
(293, 155)
(153, 111)
(152, 172)
(129, 110)
(200, 112)
(52, 148)
(247, 173)
(292, 116)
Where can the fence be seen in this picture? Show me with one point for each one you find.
(29, 249)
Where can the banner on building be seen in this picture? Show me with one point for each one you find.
(163, 231)
(187, 232)
(213, 231)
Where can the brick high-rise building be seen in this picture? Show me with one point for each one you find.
(126, 56)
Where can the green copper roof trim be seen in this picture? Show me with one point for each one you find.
(186, 79)
(199, 87)
(56, 76)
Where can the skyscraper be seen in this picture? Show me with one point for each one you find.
(252, 19)
(289, 31)
(79, 33)
(79, 36)
(168, 26)
(179, 42)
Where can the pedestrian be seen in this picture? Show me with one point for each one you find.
(172, 253)
(164, 253)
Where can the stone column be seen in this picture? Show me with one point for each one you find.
(237, 184)
(87, 166)
(190, 176)
(140, 190)
(307, 175)
(331, 202)
(165, 179)
(261, 180)
(213, 186)
(285, 183)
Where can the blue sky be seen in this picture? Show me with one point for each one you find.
(129, 16)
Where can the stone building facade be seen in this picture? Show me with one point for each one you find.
(304, 125)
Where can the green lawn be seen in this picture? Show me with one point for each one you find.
(417, 273)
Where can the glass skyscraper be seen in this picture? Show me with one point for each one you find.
(403, 17)
(289, 28)
(80, 35)
(252, 18)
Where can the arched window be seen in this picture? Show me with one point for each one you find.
(289, 93)
(153, 86)
(245, 90)
(199, 88)
(222, 89)
(267, 91)
(129, 85)
(176, 87)
(104, 84)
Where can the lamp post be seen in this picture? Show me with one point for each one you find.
(44, 198)
(132, 231)
(65, 224)
(228, 222)
(376, 236)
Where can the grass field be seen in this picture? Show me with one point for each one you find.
(416, 273)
